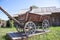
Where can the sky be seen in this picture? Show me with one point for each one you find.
(14, 6)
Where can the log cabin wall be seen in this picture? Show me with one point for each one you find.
(55, 19)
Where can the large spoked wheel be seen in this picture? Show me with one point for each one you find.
(30, 28)
(17, 27)
(45, 24)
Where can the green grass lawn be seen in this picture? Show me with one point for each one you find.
(54, 34)
(3, 32)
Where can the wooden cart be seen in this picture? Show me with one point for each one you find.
(29, 21)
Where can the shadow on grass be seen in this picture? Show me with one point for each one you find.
(7, 27)
(5, 37)
(55, 26)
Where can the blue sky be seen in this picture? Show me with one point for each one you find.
(14, 6)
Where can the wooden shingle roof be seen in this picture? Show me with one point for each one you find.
(40, 11)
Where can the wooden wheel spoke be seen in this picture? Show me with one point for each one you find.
(45, 24)
(31, 28)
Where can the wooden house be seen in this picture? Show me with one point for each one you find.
(2, 23)
(55, 18)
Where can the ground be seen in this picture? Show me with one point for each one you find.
(3, 32)
(54, 34)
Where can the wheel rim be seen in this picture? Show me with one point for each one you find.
(30, 28)
(45, 24)
(17, 27)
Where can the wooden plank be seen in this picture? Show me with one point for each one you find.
(22, 36)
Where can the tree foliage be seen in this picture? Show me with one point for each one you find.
(33, 6)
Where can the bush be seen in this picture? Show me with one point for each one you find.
(10, 23)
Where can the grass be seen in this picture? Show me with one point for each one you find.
(3, 32)
(54, 34)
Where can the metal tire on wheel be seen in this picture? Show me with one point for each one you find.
(30, 28)
(17, 27)
(45, 24)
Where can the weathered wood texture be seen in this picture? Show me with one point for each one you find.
(33, 17)
(16, 36)
(22, 36)
(55, 19)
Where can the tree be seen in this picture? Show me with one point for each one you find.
(33, 6)
(11, 23)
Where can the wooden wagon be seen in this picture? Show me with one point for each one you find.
(29, 21)
(32, 20)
